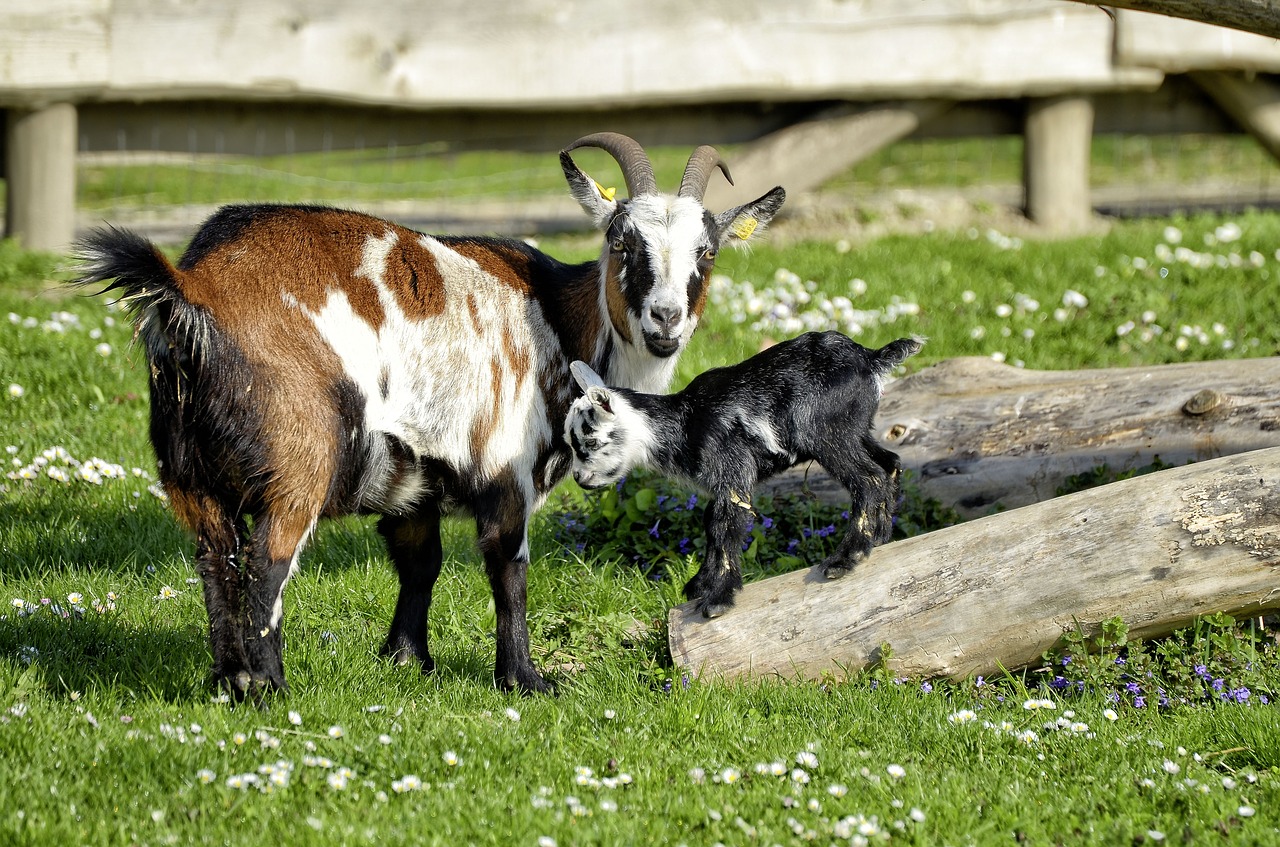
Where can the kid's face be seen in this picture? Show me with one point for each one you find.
(591, 435)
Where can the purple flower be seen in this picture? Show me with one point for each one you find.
(1202, 672)
(685, 547)
(926, 687)
(792, 545)
(1059, 683)
(653, 530)
(767, 523)
(1140, 702)
(692, 501)
(1133, 688)
(1218, 684)
(1241, 695)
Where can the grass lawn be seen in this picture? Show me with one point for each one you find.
(109, 733)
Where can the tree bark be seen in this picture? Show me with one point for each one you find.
(978, 435)
(998, 592)
(1260, 16)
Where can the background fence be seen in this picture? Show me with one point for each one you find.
(151, 112)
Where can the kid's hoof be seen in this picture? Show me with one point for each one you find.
(834, 571)
(714, 610)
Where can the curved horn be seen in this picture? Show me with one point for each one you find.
(636, 168)
(697, 173)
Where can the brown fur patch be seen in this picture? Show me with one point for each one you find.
(617, 302)
(303, 253)
(698, 305)
(413, 277)
(518, 359)
(483, 425)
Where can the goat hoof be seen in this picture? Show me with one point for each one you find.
(528, 683)
(715, 610)
(403, 652)
(836, 571)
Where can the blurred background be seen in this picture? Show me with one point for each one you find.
(876, 115)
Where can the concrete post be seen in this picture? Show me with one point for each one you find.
(40, 167)
(1058, 134)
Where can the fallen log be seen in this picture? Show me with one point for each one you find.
(1156, 551)
(978, 435)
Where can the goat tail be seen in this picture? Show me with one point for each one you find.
(895, 353)
(148, 283)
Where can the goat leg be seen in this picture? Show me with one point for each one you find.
(501, 530)
(414, 546)
(720, 575)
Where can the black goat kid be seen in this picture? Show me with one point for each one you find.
(809, 398)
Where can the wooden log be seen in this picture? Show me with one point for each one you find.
(998, 592)
(1258, 16)
(1253, 103)
(979, 435)
(808, 153)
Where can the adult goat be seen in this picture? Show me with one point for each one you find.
(310, 362)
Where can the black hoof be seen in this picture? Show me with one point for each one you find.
(403, 651)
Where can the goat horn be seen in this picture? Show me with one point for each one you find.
(636, 168)
(697, 173)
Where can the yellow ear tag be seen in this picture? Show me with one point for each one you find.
(738, 500)
(743, 227)
(606, 193)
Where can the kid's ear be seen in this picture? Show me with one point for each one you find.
(602, 399)
(596, 200)
(584, 376)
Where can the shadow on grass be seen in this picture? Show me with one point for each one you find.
(98, 653)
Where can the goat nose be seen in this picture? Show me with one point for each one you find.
(664, 316)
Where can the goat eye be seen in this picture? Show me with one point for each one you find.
(618, 245)
(591, 444)
(709, 255)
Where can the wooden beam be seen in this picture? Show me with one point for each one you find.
(806, 154)
(998, 592)
(1260, 16)
(1059, 136)
(1253, 103)
(979, 435)
(40, 167)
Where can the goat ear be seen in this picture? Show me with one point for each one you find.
(594, 199)
(602, 399)
(584, 376)
(741, 222)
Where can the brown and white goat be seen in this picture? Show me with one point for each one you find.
(309, 362)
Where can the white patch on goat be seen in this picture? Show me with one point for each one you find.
(763, 430)
(440, 373)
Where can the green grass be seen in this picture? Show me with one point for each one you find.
(108, 729)
(425, 173)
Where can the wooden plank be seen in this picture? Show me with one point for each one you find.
(808, 153)
(1175, 45)
(1253, 103)
(52, 50)
(493, 54)
(971, 599)
(979, 435)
